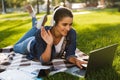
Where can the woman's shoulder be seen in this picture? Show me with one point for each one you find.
(72, 31)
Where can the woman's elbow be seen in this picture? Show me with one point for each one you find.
(44, 61)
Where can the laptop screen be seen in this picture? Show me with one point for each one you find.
(101, 58)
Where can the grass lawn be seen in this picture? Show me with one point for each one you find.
(94, 30)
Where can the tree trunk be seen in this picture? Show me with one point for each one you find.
(48, 8)
(3, 7)
(14, 4)
(64, 3)
(37, 7)
(56, 2)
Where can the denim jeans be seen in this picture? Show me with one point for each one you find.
(21, 45)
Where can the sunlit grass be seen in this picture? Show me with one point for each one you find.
(94, 30)
(13, 15)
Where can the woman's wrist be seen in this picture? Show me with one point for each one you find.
(72, 60)
(49, 45)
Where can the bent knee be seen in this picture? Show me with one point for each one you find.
(18, 49)
(15, 49)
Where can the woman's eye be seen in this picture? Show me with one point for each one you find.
(64, 24)
(71, 24)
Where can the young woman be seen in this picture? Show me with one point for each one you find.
(50, 42)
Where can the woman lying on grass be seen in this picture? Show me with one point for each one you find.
(50, 42)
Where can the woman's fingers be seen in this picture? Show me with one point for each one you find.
(79, 63)
(44, 32)
(80, 66)
(84, 62)
(49, 33)
(47, 36)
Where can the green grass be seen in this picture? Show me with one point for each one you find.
(94, 30)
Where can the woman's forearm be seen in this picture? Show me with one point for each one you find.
(47, 54)
(72, 60)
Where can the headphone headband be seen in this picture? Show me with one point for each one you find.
(53, 21)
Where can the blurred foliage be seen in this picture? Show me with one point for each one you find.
(19, 3)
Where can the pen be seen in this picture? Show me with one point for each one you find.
(34, 73)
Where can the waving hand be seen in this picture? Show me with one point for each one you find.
(47, 36)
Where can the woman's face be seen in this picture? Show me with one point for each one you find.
(64, 25)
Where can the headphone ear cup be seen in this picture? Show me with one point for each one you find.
(54, 23)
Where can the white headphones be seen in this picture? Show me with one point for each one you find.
(53, 21)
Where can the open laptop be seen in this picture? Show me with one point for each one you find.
(98, 59)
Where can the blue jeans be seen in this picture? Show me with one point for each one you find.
(21, 45)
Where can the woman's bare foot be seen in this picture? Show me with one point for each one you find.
(30, 9)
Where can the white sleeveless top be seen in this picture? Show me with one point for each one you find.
(59, 45)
